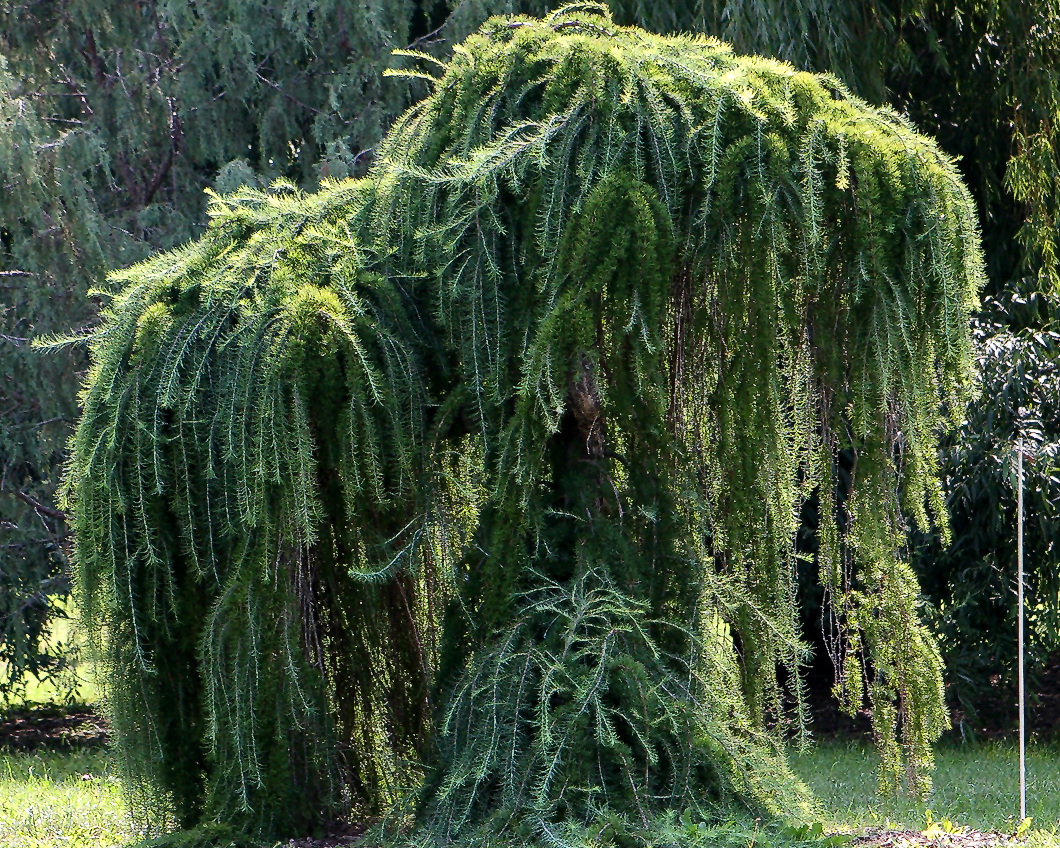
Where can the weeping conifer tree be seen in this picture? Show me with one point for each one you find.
(493, 460)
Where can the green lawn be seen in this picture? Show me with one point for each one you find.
(73, 800)
(975, 786)
(48, 800)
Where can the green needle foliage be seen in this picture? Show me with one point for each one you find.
(249, 520)
(113, 119)
(493, 460)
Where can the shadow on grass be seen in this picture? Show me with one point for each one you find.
(52, 727)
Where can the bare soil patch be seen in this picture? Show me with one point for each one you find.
(964, 838)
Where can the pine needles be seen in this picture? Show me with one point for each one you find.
(495, 458)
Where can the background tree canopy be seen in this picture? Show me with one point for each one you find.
(493, 460)
(112, 121)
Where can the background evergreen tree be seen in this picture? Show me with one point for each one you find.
(494, 459)
(113, 119)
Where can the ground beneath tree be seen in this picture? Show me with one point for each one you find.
(872, 838)
(340, 834)
(54, 727)
(963, 838)
(51, 727)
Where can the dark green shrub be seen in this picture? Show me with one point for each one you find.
(972, 580)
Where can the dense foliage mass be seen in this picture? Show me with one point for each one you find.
(970, 580)
(494, 459)
(113, 120)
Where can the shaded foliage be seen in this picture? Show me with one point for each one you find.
(972, 581)
(495, 457)
(113, 119)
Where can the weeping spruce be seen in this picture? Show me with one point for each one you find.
(464, 495)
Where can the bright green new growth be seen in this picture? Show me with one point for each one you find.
(494, 460)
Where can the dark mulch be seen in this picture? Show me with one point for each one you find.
(338, 836)
(51, 727)
(879, 838)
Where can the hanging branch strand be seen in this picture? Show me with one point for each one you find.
(495, 459)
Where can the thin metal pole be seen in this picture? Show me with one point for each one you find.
(1019, 565)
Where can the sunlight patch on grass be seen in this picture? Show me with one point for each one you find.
(61, 799)
(74, 685)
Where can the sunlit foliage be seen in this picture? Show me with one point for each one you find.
(494, 459)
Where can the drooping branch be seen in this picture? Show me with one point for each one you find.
(530, 413)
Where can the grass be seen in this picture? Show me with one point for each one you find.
(61, 798)
(57, 799)
(976, 786)
(73, 799)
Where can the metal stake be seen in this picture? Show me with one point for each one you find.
(1019, 637)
